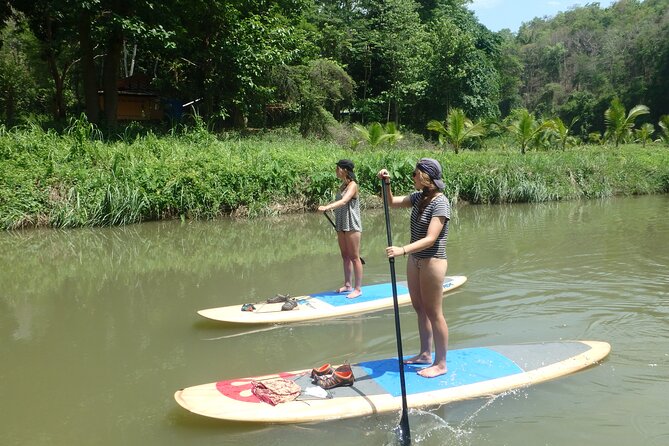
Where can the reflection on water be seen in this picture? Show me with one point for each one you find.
(98, 326)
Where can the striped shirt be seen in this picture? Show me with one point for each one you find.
(438, 207)
(347, 217)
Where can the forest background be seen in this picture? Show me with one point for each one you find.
(350, 76)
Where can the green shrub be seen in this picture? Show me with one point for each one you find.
(77, 179)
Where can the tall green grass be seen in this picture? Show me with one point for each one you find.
(78, 179)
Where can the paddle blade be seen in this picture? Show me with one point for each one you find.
(402, 432)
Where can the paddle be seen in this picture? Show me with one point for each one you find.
(335, 227)
(404, 432)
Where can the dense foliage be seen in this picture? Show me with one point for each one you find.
(78, 179)
(575, 63)
(571, 106)
(307, 63)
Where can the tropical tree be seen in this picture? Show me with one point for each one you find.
(619, 124)
(664, 129)
(375, 134)
(22, 75)
(393, 132)
(510, 69)
(460, 71)
(231, 49)
(54, 30)
(525, 129)
(644, 133)
(457, 129)
(70, 32)
(400, 45)
(315, 93)
(595, 138)
(560, 131)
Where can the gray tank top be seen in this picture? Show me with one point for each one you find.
(347, 217)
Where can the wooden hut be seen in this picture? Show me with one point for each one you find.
(136, 102)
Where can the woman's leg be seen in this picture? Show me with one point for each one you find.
(432, 276)
(353, 251)
(424, 355)
(341, 239)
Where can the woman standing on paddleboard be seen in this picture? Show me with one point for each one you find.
(349, 227)
(427, 264)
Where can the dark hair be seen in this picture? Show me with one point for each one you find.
(348, 166)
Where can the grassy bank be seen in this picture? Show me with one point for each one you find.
(76, 180)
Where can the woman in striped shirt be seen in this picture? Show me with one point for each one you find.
(427, 264)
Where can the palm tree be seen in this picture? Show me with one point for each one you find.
(618, 124)
(664, 129)
(374, 135)
(525, 128)
(458, 129)
(394, 134)
(645, 133)
(561, 131)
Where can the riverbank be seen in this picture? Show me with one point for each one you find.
(75, 180)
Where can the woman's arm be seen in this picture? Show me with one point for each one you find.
(351, 191)
(433, 231)
(403, 201)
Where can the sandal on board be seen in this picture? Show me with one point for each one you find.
(344, 368)
(337, 379)
(248, 307)
(290, 304)
(325, 369)
(278, 298)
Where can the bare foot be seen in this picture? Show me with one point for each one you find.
(344, 289)
(354, 294)
(420, 359)
(432, 371)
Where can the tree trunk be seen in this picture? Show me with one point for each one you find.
(58, 79)
(59, 99)
(88, 69)
(10, 105)
(239, 121)
(112, 65)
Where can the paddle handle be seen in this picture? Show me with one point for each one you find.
(330, 220)
(404, 432)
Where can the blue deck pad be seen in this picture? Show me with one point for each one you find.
(369, 292)
(465, 366)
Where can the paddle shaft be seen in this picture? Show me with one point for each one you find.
(335, 228)
(405, 433)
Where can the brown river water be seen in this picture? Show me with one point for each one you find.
(98, 327)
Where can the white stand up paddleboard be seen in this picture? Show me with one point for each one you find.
(472, 372)
(322, 305)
